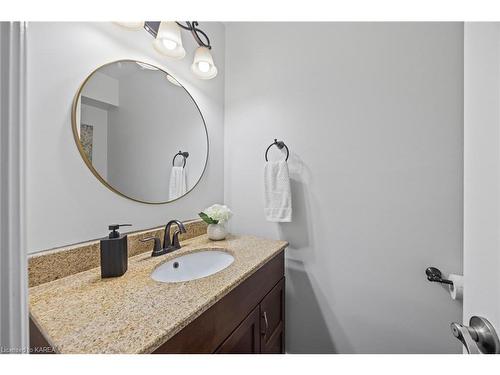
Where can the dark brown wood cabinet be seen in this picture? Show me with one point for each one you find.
(249, 319)
(272, 323)
(262, 331)
(246, 338)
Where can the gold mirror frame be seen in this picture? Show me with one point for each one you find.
(89, 163)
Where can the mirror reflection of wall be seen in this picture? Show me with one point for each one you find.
(132, 119)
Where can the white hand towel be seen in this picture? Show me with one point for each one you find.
(178, 184)
(278, 195)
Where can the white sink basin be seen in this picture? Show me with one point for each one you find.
(192, 266)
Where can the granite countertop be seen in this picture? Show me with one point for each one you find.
(83, 313)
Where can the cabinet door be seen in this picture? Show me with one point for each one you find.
(272, 320)
(245, 338)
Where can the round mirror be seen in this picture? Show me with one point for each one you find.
(140, 132)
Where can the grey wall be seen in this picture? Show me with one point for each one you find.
(154, 120)
(373, 116)
(65, 202)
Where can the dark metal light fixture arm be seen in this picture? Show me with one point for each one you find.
(192, 26)
(195, 31)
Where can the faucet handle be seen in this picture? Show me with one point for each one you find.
(174, 243)
(175, 239)
(157, 245)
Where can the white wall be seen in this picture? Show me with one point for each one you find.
(66, 203)
(373, 116)
(103, 89)
(482, 171)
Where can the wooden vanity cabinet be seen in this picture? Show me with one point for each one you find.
(262, 331)
(272, 320)
(246, 338)
(249, 320)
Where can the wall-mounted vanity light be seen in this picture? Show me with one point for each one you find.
(168, 42)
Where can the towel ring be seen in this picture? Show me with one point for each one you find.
(280, 145)
(184, 155)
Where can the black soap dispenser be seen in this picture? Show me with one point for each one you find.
(114, 253)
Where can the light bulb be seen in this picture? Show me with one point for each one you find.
(168, 40)
(203, 66)
(169, 44)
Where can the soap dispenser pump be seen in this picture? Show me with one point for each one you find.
(114, 252)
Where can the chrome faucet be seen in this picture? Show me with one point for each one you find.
(169, 245)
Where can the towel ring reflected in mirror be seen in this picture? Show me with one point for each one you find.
(132, 156)
(280, 145)
(184, 155)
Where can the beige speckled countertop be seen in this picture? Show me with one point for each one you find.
(83, 313)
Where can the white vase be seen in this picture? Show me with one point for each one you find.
(216, 232)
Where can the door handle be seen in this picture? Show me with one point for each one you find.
(479, 337)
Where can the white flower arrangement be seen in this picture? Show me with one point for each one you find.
(216, 214)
